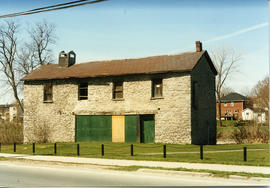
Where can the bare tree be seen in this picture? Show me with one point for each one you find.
(37, 52)
(8, 52)
(260, 93)
(225, 90)
(17, 63)
(225, 61)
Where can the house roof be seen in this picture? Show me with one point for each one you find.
(183, 62)
(233, 97)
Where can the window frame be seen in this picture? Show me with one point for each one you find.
(81, 88)
(116, 90)
(156, 81)
(46, 87)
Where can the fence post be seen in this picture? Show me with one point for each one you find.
(55, 149)
(131, 149)
(245, 153)
(201, 152)
(34, 148)
(78, 149)
(14, 147)
(164, 150)
(102, 149)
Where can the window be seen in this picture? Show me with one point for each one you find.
(157, 88)
(83, 91)
(232, 104)
(228, 112)
(48, 94)
(195, 95)
(236, 111)
(225, 104)
(118, 90)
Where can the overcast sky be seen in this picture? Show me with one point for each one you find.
(117, 29)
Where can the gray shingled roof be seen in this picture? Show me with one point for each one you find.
(233, 97)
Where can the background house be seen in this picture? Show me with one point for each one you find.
(4, 112)
(232, 106)
(166, 99)
(256, 114)
(11, 112)
(15, 113)
(247, 114)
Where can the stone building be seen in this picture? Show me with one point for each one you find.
(161, 99)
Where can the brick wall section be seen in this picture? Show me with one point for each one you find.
(237, 105)
(204, 116)
(172, 113)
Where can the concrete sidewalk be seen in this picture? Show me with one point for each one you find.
(116, 162)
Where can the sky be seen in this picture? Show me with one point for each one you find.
(117, 29)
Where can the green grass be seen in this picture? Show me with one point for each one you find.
(146, 152)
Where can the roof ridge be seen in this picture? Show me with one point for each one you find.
(137, 58)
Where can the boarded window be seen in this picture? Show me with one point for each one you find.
(157, 88)
(48, 94)
(117, 90)
(83, 91)
(195, 95)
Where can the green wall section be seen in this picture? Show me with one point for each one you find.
(130, 128)
(93, 128)
(99, 128)
(147, 128)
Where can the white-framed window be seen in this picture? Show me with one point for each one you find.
(225, 104)
(232, 103)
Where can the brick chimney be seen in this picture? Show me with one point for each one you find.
(66, 59)
(198, 46)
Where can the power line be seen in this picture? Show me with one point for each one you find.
(42, 8)
(51, 8)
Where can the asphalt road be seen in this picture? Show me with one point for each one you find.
(13, 174)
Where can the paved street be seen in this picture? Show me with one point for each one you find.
(15, 174)
(100, 161)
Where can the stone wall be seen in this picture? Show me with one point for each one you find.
(57, 119)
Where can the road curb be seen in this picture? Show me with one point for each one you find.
(172, 172)
(200, 174)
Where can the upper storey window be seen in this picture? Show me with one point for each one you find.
(157, 88)
(48, 92)
(118, 90)
(83, 91)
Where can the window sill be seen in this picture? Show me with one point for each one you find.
(156, 98)
(47, 101)
(118, 99)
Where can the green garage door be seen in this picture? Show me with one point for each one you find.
(93, 128)
(147, 128)
(130, 128)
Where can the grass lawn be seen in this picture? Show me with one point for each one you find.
(154, 152)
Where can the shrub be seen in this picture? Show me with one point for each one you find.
(11, 132)
(239, 135)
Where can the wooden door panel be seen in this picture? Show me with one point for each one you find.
(118, 128)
